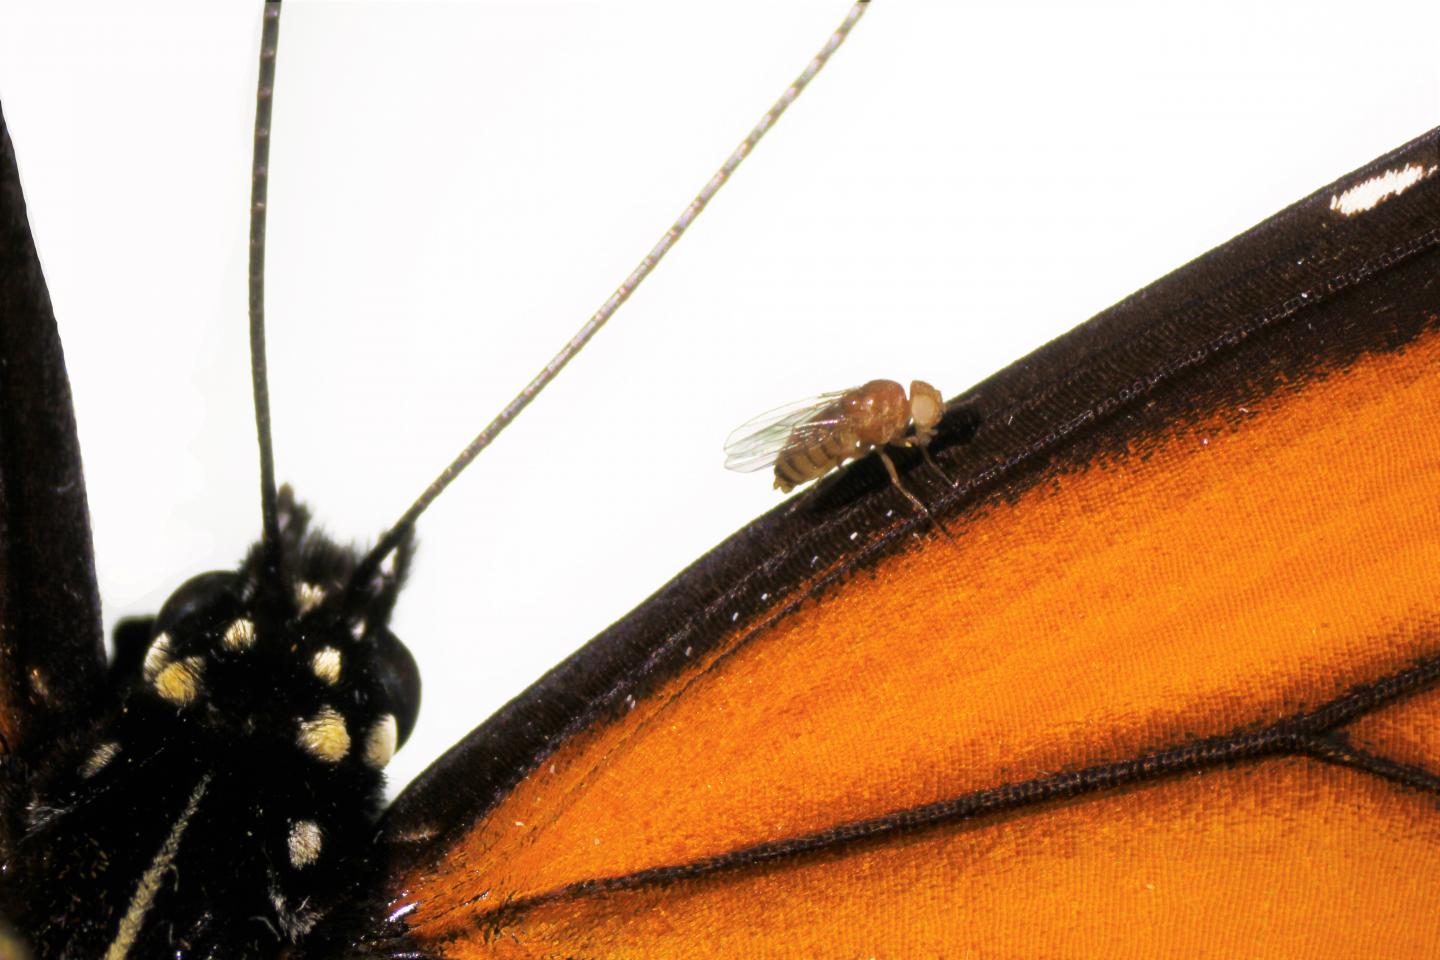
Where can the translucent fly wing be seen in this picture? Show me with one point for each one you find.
(746, 453)
(755, 444)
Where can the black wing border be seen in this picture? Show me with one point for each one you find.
(1278, 299)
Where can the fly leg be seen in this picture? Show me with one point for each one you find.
(920, 506)
(925, 452)
(923, 445)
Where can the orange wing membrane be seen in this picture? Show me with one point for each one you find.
(1169, 692)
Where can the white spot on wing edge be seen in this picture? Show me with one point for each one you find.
(304, 843)
(1369, 194)
(149, 884)
(402, 912)
(421, 834)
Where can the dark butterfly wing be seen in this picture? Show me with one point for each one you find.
(1164, 694)
(51, 648)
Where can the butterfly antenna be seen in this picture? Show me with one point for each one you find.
(406, 523)
(259, 181)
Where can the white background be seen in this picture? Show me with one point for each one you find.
(457, 186)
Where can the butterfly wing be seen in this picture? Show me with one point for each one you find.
(51, 649)
(1166, 692)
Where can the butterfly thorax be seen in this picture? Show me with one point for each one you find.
(218, 809)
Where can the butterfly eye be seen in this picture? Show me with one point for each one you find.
(215, 596)
(399, 680)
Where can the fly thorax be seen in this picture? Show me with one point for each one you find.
(878, 411)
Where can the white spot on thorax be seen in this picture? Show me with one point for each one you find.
(240, 635)
(96, 761)
(324, 736)
(180, 682)
(304, 842)
(150, 880)
(326, 665)
(380, 741)
(156, 658)
(1370, 193)
(308, 596)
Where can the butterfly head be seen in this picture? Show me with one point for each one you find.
(303, 658)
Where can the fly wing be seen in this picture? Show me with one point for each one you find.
(757, 443)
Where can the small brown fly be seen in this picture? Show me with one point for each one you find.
(808, 439)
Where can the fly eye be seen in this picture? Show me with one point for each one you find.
(215, 596)
(399, 680)
(926, 404)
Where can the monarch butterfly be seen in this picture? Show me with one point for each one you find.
(411, 633)
(1241, 143)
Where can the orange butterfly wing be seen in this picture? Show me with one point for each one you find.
(1167, 692)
